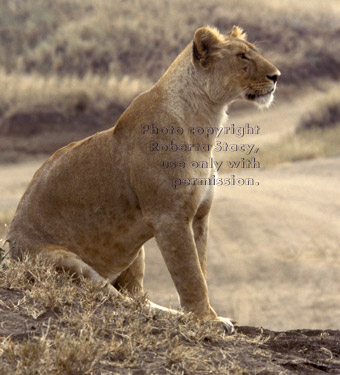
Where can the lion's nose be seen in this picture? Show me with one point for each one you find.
(273, 78)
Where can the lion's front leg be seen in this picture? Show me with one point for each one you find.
(176, 241)
(200, 228)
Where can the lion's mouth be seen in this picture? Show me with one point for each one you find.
(257, 95)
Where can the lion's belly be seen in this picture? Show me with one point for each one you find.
(107, 243)
(113, 245)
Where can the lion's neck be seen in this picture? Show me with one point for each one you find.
(184, 94)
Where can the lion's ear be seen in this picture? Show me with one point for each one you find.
(207, 45)
(237, 32)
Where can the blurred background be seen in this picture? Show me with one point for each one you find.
(69, 68)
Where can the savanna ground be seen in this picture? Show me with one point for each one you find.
(67, 70)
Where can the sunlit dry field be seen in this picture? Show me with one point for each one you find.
(77, 56)
(69, 68)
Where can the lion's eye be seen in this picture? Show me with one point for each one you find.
(242, 56)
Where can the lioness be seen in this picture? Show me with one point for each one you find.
(94, 203)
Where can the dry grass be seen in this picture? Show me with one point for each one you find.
(102, 42)
(325, 115)
(52, 324)
(5, 218)
(65, 94)
(73, 66)
(75, 328)
(141, 37)
(308, 144)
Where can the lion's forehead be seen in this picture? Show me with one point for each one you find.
(239, 45)
(246, 44)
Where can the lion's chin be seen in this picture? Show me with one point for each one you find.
(265, 101)
(262, 101)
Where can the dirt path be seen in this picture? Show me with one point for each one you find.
(295, 209)
(274, 249)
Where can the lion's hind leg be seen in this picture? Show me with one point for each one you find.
(65, 259)
(131, 280)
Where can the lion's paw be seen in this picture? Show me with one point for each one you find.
(226, 323)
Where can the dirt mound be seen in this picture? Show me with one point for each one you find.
(250, 351)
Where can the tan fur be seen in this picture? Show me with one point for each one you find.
(94, 203)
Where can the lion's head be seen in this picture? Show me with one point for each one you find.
(234, 67)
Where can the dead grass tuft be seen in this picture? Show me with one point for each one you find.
(325, 115)
(24, 358)
(309, 144)
(76, 355)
